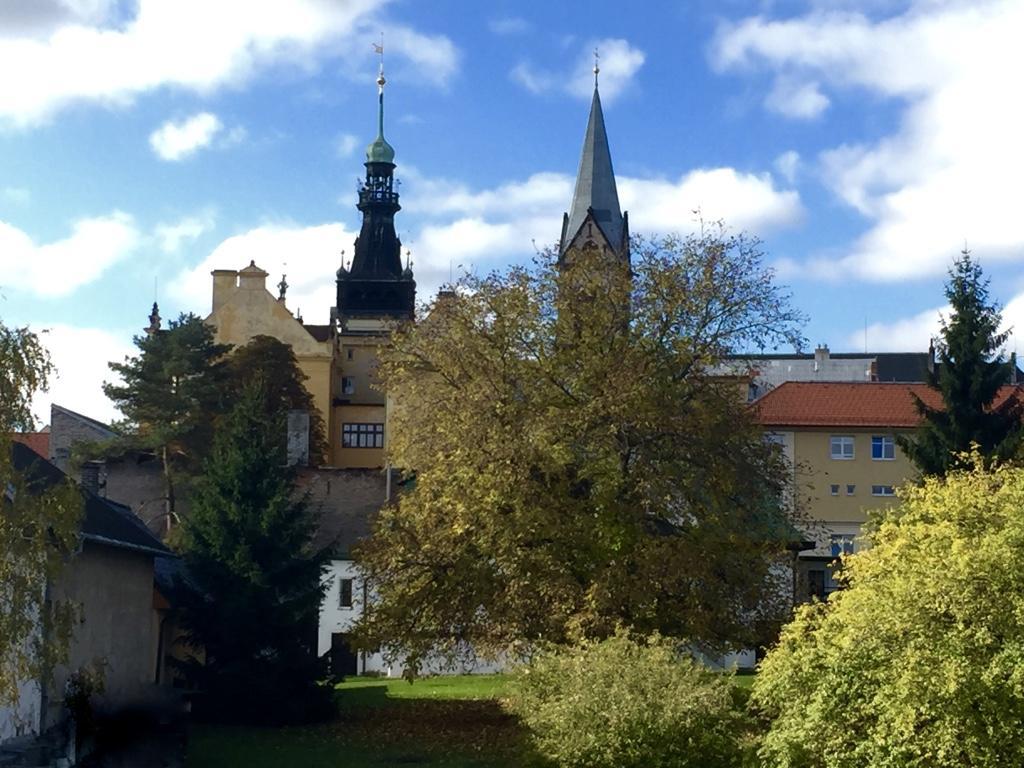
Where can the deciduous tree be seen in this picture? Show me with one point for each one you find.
(919, 661)
(274, 363)
(38, 528)
(577, 464)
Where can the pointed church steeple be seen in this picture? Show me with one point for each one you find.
(376, 285)
(595, 214)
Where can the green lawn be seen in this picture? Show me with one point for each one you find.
(447, 722)
(442, 722)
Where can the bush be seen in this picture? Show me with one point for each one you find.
(620, 703)
(920, 660)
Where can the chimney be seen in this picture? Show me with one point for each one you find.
(1013, 368)
(873, 370)
(820, 356)
(91, 476)
(252, 278)
(931, 355)
(298, 438)
(225, 281)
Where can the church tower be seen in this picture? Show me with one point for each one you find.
(594, 218)
(376, 286)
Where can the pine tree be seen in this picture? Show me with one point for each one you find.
(252, 594)
(969, 377)
(170, 395)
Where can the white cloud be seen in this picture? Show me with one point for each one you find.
(80, 356)
(950, 170)
(110, 58)
(434, 58)
(346, 145)
(465, 228)
(619, 63)
(908, 334)
(60, 267)
(532, 79)
(788, 165)
(509, 25)
(176, 141)
(483, 228)
(743, 201)
(802, 100)
(172, 236)
(309, 255)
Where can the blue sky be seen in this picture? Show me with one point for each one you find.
(144, 143)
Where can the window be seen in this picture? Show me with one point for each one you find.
(882, 490)
(348, 385)
(834, 489)
(344, 593)
(842, 544)
(348, 353)
(841, 447)
(851, 489)
(362, 435)
(883, 448)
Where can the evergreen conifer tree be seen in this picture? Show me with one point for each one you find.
(253, 582)
(170, 395)
(969, 376)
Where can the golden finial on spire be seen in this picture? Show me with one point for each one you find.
(597, 69)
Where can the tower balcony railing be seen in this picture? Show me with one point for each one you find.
(377, 193)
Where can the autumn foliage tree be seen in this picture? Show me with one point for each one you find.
(283, 384)
(38, 528)
(577, 466)
(919, 660)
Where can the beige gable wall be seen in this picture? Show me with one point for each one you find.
(243, 308)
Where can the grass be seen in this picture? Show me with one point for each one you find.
(447, 722)
(443, 722)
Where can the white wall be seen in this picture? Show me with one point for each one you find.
(22, 719)
(334, 618)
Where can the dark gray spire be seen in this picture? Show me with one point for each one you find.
(595, 186)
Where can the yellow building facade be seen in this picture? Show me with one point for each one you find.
(840, 441)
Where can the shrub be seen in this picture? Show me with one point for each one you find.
(621, 702)
(920, 660)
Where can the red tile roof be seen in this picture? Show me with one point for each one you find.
(37, 441)
(853, 404)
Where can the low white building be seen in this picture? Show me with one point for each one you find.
(345, 598)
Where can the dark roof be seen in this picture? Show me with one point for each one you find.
(83, 418)
(318, 332)
(595, 184)
(909, 367)
(105, 521)
(852, 404)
